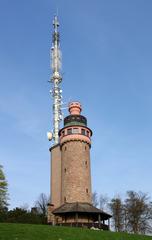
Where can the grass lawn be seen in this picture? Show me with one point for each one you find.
(13, 231)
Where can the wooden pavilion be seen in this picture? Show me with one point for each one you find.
(81, 215)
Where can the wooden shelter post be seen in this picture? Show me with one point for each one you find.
(99, 220)
(76, 218)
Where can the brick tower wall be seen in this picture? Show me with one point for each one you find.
(56, 176)
(76, 177)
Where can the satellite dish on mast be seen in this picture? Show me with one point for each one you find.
(49, 136)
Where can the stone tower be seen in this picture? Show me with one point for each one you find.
(70, 160)
(71, 202)
(75, 146)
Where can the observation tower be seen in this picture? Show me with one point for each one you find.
(71, 195)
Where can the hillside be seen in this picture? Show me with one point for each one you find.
(43, 232)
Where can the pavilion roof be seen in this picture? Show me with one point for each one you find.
(79, 207)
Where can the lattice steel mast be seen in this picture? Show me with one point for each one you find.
(56, 80)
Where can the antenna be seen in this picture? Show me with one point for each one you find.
(57, 11)
(56, 60)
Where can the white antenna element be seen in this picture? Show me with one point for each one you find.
(56, 80)
(49, 136)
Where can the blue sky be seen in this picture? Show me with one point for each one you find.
(107, 66)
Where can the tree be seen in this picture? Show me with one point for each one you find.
(95, 199)
(42, 204)
(3, 190)
(103, 202)
(117, 211)
(20, 215)
(138, 212)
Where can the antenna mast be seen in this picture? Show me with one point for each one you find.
(56, 80)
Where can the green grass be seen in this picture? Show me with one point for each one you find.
(13, 231)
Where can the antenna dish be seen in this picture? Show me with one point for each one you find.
(49, 136)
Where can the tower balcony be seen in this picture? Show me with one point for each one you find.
(75, 133)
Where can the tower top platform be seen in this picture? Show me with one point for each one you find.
(75, 108)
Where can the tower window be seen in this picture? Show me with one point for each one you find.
(78, 118)
(64, 199)
(86, 190)
(85, 148)
(65, 170)
(65, 148)
(69, 131)
(75, 130)
(83, 131)
(88, 133)
(86, 163)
